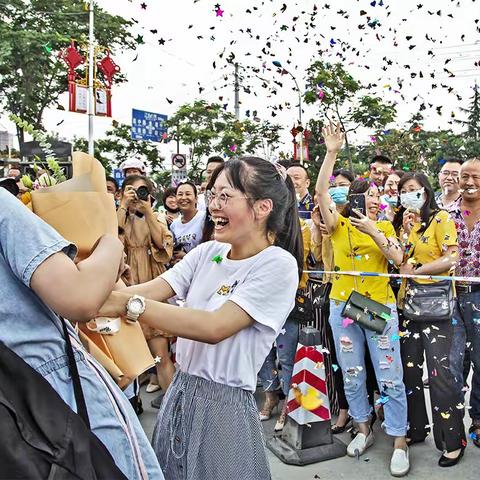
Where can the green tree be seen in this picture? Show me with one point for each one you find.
(33, 32)
(341, 96)
(473, 115)
(207, 128)
(118, 146)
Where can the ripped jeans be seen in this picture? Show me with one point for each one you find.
(350, 343)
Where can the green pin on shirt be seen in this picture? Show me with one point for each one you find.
(217, 258)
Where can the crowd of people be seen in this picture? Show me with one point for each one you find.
(212, 274)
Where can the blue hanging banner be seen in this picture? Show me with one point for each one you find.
(148, 125)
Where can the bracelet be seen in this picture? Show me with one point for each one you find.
(123, 208)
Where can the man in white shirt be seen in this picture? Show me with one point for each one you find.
(448, 180)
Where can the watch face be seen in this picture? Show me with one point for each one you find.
(136, 306)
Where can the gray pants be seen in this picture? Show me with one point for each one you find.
(207, 430)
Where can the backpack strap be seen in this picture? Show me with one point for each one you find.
(77, 386)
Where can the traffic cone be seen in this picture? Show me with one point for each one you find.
(307, 436)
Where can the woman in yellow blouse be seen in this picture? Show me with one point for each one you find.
(430, 240)
(362, 243)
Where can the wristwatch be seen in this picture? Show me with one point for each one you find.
(135, 307)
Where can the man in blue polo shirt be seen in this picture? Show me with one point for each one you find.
(299, 175)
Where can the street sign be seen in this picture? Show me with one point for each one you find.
(179, 168)
(118, 176)
(179, 160)
(148, 125)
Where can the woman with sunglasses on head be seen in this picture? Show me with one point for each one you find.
(149, 246)
(208, 426)
(360, 242)
(430, 240)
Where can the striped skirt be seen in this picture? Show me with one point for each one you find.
(207, 430)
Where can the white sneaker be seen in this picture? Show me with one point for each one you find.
(400, 463)
(359, 444)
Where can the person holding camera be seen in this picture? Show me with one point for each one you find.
(362, 243)
(148, 244)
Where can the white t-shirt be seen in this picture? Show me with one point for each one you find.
(188, 234)
(263, 285)
(201, 203)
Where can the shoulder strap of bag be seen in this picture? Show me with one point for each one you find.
(77, 386)
(351, 254)
(410, 254)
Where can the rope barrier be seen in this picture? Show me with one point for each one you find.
(396, 275)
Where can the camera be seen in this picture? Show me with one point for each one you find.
(142, 193)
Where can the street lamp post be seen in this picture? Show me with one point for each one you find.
(283, 71)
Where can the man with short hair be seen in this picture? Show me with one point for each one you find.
(13, 172)
(301, 181)
(212, 164)
(380, 169)
(466, 214)
(448, 179)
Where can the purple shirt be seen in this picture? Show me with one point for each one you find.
(468, 244)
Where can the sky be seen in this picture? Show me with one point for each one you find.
(413, 53)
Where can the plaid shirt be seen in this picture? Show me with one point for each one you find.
(468, 244)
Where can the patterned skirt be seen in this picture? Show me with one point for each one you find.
(207, 430)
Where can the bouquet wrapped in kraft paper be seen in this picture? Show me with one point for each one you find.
(81, 210)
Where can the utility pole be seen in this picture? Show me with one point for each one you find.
(91, 67)
(237, 94)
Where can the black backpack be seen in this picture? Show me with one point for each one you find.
(42, 437)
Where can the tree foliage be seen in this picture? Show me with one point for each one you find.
(473, 115)
(33, 32)
(208, 129)
(118, 146)
(340, 96)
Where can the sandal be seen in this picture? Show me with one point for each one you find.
(267, 409)
(340, 429)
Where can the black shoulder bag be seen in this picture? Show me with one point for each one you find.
(428, 302)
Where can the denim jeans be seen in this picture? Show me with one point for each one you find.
(286, 344)
(350, 344)
(467, 324)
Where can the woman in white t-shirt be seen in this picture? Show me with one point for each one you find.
(238, 294)
(187, 229)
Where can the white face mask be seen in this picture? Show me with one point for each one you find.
(414, 200)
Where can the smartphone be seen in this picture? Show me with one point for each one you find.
(357, 202)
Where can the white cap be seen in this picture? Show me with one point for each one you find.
(133, 163)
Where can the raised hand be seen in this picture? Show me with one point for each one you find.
(333, 137)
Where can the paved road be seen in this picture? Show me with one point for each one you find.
(371, 466)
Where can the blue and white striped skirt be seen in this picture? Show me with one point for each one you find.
(209, 431)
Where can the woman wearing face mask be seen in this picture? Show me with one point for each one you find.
(149, 246)
(323, 252)
(188, 228)
(390, 197)
(208, 427)
(430, 249)
(362, 243)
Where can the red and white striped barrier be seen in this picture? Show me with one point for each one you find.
(308, 396)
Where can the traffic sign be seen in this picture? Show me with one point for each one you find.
(179, 160)
(148, 125)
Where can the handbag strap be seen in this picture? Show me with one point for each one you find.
(428, 225)
(77, 386)
(352, 257)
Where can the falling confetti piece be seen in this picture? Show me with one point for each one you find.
(346, 322)
(217, 259)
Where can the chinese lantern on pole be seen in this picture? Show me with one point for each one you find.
(300, 144)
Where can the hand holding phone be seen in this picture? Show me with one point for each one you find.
(357, 202)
